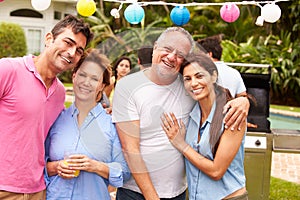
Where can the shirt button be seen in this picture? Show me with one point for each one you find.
(195, 144)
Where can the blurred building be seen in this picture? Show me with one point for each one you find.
(35, 23)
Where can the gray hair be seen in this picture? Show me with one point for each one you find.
(180, 30)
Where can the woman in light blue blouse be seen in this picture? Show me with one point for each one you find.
(86, 129)
(214, 155)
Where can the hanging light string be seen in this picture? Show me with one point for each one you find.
(229, 11)
(257, 3)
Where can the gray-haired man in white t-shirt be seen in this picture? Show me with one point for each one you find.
(139, 100)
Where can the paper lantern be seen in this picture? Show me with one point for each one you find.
(134, 13)
(86, 7)
(229, 12)
(115, 13)
(180, 15)
(271, 12)
(40, 5)
(259, 21)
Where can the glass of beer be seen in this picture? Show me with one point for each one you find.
(67, 154)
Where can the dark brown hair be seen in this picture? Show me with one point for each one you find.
(145, 55)
(222, 96)
(77, 25)
(117, 63)
(213, 45)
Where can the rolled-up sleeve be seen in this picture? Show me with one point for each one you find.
(117, 175)
(46, 176)
(119, 171)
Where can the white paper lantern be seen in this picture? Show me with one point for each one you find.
(271, 12)
(115, 13)
(259, 21)
(40, 5)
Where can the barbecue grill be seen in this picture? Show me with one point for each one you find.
(261, 141)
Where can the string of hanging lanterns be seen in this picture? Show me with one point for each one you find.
(180, 15)
(84, 7)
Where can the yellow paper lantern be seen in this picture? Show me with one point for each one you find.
(86, 7)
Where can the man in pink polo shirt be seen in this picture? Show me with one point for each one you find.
(31, 97)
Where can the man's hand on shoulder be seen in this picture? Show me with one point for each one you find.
(236, 112)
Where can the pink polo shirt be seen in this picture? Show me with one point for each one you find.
(27, 110)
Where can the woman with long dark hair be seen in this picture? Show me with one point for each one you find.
(214, 155)
(121, 68)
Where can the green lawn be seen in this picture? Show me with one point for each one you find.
(68, 84)
(283, 190)
(287, 108)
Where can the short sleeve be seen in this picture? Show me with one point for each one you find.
(7, 75)
(124, 106)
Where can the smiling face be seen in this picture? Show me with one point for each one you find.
(88, 81)
(169, 53)
(198, 82)
(65, 50)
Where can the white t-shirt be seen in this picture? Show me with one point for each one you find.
(138, 98)
(230, 78)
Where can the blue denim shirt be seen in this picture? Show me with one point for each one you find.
(97, 138)
(201, 186)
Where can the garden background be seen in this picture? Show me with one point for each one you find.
(275, 44)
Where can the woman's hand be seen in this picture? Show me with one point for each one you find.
(71, 167)
(175, 133)
(84, 163)
(64, 171)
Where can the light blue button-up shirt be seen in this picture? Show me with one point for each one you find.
(201, 186)
(97, 138)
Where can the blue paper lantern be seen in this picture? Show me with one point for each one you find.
(180, 15)
(134, 13)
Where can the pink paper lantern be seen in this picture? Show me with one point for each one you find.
(229, 12)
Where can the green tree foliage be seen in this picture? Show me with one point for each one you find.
(281, 53)
(289, 20)
(12, 40)
(276, 44)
